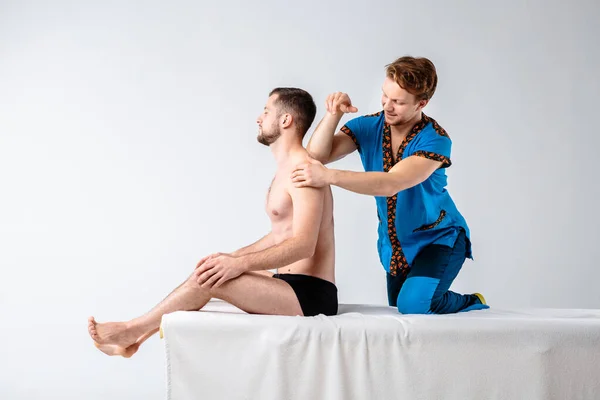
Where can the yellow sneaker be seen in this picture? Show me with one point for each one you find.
(480, 297)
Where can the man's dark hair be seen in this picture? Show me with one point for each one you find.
(297, 102)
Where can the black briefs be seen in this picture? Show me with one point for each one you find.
(315, 295)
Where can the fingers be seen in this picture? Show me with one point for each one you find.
(300, 170)
(205, 271)
(330, 103)
(336, 102)
(209, 257)
(348, 108)
(221, 281)
(211, 281)
(301, 167)
(330, 100)
(346, 104)
(299, 174)
(203, 279)
(202, 261)
(339, 101)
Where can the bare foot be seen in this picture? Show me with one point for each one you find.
(114, 350)
(113, 333)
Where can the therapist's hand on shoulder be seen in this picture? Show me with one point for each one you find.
(311, 174)
(339, 102)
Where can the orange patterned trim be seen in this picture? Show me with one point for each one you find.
(350, 134)
(431, 226)
(440, 131)
(434, 156)
(398, 261)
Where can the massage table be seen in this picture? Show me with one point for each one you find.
(373, 352)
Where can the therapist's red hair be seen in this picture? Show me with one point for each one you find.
(416, 75)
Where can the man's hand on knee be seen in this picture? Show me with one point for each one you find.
(217, 269)
(208, 257)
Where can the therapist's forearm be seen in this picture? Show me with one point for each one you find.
(320, 143)
(369, 183)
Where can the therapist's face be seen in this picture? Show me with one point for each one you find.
(399, 106)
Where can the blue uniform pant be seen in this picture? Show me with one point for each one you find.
(425, 289)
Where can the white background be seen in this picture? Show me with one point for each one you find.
(128, 151)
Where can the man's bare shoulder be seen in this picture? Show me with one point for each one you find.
(295, 159)
(299, 157)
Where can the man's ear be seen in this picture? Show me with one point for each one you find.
(422, 104)
(286, 120)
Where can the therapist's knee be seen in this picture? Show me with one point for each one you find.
(413, 301)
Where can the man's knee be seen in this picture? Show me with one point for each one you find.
(416, 296)
(413, 303)
(192, 283)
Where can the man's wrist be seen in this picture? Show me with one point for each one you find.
(244, 262)
(336, 117)
(332, 176)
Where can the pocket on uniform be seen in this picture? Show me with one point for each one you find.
(433, 225)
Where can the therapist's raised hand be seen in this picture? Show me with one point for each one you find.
(339, 103)
(311, 174)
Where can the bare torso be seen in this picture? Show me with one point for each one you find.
(280, 210)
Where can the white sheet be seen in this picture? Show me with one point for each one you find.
(372, 352)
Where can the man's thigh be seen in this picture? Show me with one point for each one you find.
(436, 267)
(427, 270)
(259, 293)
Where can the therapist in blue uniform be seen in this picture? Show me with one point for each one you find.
(423, 240)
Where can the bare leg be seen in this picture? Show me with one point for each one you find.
(186, 297)
(258, 293)
(252, 292)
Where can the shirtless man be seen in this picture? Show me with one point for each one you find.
(300, 245)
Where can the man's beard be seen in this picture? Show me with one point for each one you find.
(397, 120)
(268, 138)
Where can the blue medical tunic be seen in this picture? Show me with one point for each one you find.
(419, 216)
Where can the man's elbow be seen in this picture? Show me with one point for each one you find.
(306, 248)
(307, 252)
(391, 188)
(319, 156)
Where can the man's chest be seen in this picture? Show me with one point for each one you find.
(279, 202)
(401, 146)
